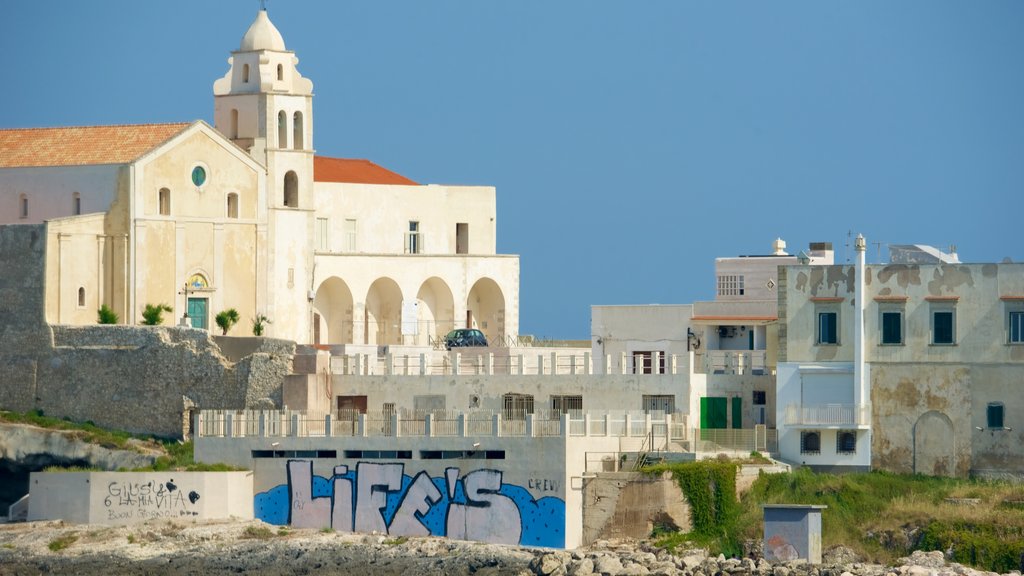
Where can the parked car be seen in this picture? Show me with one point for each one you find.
(463, 337)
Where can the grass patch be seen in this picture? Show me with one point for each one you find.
(72, 469)
(62, 542)
(258, 533)
(396, 541)
(326, 530)
(883, 516)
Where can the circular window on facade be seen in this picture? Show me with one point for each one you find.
(199, 176)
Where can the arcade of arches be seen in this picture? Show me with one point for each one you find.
(388, 316)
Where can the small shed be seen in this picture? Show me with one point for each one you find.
(792, 532)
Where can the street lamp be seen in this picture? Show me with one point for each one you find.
(184, 317)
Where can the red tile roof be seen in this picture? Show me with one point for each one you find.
(355, 171)
(81, 145)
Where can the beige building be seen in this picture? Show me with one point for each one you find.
(245, 215)
(927, 385)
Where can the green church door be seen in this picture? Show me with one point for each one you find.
(197, 312)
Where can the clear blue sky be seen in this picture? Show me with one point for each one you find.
(630, 142)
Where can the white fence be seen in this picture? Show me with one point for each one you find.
(828, 415)
(665, 428)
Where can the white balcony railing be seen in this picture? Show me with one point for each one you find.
(835, 415)
(735, 362)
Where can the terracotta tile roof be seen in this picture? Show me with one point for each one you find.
(81, 145)
(355, 171)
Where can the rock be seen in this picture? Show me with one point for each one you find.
(692, 562)
(607, 565)
(550, 564)
(633, 569)
(780, 571)
(583, 567)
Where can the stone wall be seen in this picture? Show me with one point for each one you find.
(138, 378)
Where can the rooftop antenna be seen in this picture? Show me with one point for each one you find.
(878, 246)
(263, 5)
(846, 247)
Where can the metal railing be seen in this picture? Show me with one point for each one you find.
(828, 415)
(484, 361)
(751, 362)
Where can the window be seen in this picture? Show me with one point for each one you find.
(291, 190)
(233, 133)
(846, 442)
(760, 398)
(810, 443)
(567, 405)
(280, 72)
(1016, 319)
(81, 297)
(462, 238)
(517, 406)
(643, 362)
(995, 415)
(24, 205)
(232, 205)
(828, 327)
(282, 129)
(321, 234)
(892, 327)
(412, 243)
(76, 203)
(198, 176)
(164, 201)
(659, 402)
(245, 73)
(350, 234)
(297, 141)
(730, 286)
(943, 324)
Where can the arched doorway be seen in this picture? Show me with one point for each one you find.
(383, 314)
(485, 310)
(437, 311)
(332, 312)
(933, 445)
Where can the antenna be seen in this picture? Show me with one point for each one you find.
(263, 5)
(878, 246)
(846, 247)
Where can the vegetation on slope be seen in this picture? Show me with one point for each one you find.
(881, 516)
(176, 455)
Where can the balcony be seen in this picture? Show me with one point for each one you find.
(835, 416)
(750, 362)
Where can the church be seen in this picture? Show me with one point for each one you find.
(244, 214)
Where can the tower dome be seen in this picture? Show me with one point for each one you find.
(262, 35)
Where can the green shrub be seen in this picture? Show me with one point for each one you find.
(153, 314)
(106, 316)
(997, 548)
(62, 542)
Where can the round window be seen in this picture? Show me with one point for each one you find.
(199, 175)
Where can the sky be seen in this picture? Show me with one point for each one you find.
(631, 142)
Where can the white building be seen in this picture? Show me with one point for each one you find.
(245, 215)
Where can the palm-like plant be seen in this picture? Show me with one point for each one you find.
(226, 319)
(154, 314)
(106, 316)
(259, 324)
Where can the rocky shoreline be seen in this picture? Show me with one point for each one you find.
(251, 547)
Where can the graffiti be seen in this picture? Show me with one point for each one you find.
(146, 500)
(382, 498)
(544, 485)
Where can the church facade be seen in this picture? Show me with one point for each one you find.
(245, 215)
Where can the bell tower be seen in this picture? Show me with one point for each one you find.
(265, 107)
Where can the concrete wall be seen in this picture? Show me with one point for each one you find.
(626, 329)
(119, 498)
(630, 505)
(510, 490)
(605, 392)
